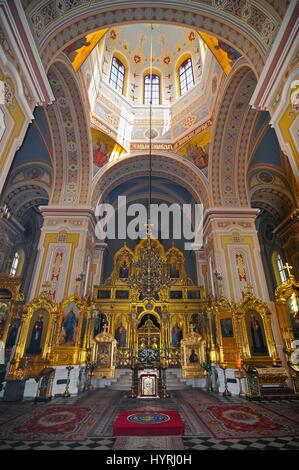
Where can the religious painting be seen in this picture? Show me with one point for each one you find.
(224, 53)
(5, 294)
(121, 336)
(193, 357)
(122, 294)
(69, 325)
(227, 330)
(57, 266)
(257, 337)
(37, 333)
(124, 270)
(104, 353)
(104, 294)
(174, 271)
(292, 309)
(80, 49)
(176, 294)
(198, 155)
(242, 271)
(99, 324)
(197, 149)
(193, 294)
(176, 335)
(103, 148)
(3, 316)
(241, 267)
(198, 323)
(13, 333)
(148, 385)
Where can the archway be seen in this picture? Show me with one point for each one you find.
(232, 133)
(70, 137)
(166, 165)
(257, 23)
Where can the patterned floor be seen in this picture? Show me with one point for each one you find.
(153, 444)
(212, 422)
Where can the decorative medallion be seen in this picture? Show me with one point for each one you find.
(153, 134)
(265, 177)
(148, 418)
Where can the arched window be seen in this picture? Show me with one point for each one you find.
(186, 77)
(152, 88)
(117, 75)
(15, 264)
(281, 270)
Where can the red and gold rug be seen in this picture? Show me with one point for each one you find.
(240, 421)
(148, 423)
(50, 423)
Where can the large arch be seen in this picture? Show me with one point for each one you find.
(233, 128)
(252, 26)
(166, 165)
(72, 160)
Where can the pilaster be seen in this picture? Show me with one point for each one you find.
(65, 251)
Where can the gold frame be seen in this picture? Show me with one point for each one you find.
(73, 354)
(109, 371)
(34, 364)
(251, 303)
(193, 370)
(283, 294)
(229, 350)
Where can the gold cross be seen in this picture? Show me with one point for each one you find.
(288, 267)
(46, 287)
(248, 288)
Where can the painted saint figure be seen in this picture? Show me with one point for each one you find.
(36, 336)
(176, 336)
(258, 344)
(174, 271)
(70, 323)
(12, 336)
(193, 357)
(121, 336)
(124, 271)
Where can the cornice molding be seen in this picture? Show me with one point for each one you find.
(284, 46)
(15, 26)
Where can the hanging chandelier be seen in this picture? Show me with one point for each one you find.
(149, 273)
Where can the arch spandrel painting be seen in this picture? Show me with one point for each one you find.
(105, 149)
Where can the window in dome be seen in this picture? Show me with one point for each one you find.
(152, 86)
(117, 75)
(281, 269)
(15, 264)
(186, 76)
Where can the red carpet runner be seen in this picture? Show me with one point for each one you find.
(155, 423)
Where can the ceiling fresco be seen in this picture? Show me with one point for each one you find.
(120, 123)
(105, 149)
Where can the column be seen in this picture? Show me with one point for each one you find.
(98, 263)
(231, 242)
(201, 268)
(10, 231)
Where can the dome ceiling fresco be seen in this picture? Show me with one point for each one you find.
(120, 122)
